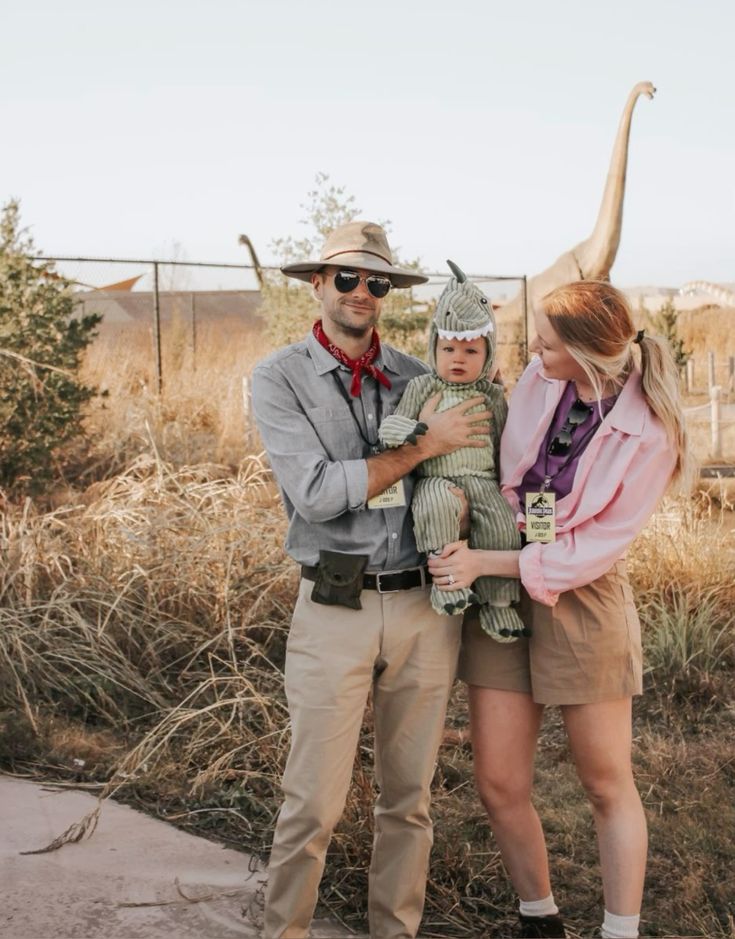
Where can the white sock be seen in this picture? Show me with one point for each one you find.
(620, 927)
(545, 907)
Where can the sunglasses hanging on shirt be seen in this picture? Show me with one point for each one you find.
(541, 504)
(561, 442)
(346, 281)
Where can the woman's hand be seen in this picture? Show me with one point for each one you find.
(457, 566)
(464, 565)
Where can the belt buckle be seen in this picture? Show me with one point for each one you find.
(407, 570)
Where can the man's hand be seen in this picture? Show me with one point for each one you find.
(454, 428)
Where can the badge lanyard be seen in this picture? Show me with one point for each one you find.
(541, 505)
(394, 496)
(373, 444)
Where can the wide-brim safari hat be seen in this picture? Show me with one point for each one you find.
(357, 244)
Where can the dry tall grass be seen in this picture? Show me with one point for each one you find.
(199, 415)
(143, 627)
(708, 329)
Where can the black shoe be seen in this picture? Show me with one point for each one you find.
(542, 927)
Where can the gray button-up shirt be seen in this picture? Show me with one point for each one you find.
(317, 453)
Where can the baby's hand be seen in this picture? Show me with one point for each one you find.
(418, 431)
(397, 430)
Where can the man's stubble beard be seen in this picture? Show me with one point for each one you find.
(354, 331)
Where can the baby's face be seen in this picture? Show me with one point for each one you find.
(460, 360)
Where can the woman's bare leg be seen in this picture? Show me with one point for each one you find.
(505, 726)
(600, 737)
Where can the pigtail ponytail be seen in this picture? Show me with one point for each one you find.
(660, 384)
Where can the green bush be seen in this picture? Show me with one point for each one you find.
(665, 323)
(41, 342)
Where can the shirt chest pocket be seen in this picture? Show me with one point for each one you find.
(338, 432)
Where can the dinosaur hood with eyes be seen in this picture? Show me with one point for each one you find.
(463, 312)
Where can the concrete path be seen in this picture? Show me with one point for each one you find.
(90, 890)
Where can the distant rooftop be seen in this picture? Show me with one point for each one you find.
(126, 306)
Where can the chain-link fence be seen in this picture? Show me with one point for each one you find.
(705, 372)
(129, 292)
(153, 292)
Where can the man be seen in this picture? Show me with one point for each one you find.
(362, 620)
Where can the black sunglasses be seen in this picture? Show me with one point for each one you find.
(347, 281)
(562, 441)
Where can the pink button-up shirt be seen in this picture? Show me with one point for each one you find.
(622, 473)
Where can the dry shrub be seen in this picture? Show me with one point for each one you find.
(683, 570)
(707, 329)
(199, 417)
(142, 639)
(142, 646)
(154, 584)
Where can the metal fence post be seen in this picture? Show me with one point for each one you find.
(157, 329)
(193, 331)
(715, 422)
(711, 369)
(690, 375)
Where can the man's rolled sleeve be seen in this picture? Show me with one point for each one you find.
(319, 488)
(356, 477)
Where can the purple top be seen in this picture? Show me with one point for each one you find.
(563, 467)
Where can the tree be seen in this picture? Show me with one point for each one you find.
(290, 307)
(664, 322)
(41, 344)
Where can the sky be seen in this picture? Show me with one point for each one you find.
(481, 130)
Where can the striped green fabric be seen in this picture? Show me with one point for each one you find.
(436, 510)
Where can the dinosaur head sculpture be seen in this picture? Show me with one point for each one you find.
(593, 258)
(463, 312)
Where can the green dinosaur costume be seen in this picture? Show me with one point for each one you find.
(463, 312)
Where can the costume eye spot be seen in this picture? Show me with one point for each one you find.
(483, 300)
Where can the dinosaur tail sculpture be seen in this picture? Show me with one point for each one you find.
(592, 258)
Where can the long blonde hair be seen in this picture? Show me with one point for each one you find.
(595, 323)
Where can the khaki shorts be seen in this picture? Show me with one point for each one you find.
(585, 649)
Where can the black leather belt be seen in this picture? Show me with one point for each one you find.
(383, 581)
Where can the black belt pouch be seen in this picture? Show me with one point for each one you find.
(339, 579)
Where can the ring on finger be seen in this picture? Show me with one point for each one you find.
(450, 578)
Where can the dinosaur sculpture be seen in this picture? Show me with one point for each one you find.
(722, 294)
(592, 258)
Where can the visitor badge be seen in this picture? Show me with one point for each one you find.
(389, 498)
(540, 516)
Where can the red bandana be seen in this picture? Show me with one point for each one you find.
(357, 366)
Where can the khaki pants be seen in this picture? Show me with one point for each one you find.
(407, 654)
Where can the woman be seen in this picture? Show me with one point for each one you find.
(604, 435)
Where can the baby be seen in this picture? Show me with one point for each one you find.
(461, 354)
